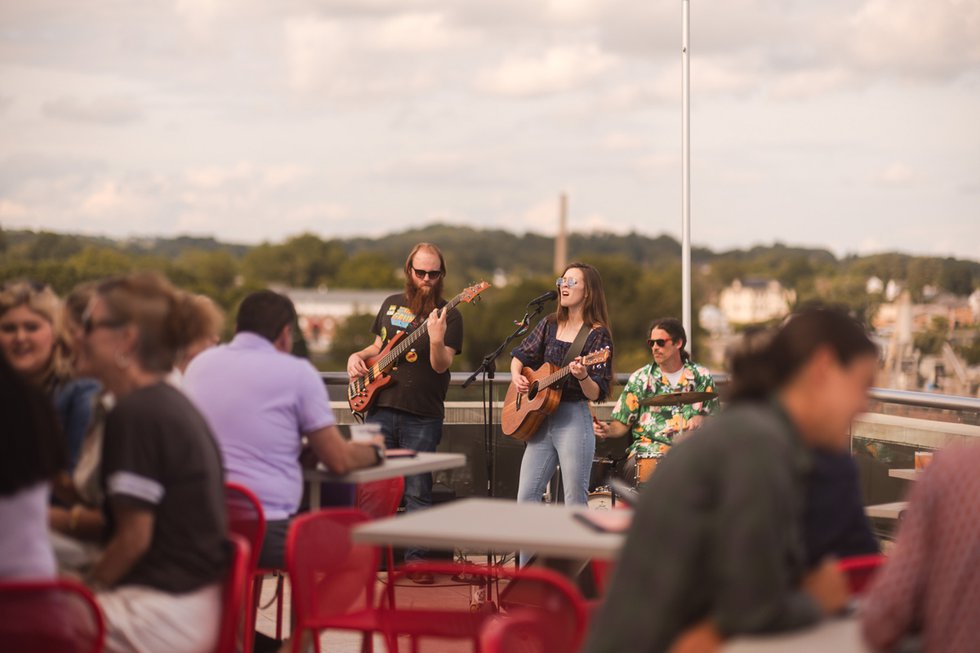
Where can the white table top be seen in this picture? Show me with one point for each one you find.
(422, 462)
(907, 474)
(886, 510)
(502, 525)
(837, 635)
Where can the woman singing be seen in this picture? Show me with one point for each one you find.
(566, 436)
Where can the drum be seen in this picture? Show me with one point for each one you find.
(601, 498)
(645, 464)
(602, 468)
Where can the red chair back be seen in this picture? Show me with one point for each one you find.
(245, 518)
(549, 600)
(519, 632)
(380, 498)
(50, 616)
(331, 576)
(860, 570)
(233, 596)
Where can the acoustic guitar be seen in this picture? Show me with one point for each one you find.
(363, 391)
(523, 413)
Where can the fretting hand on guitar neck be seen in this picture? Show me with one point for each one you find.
(523, 412)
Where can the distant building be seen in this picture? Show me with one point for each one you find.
(874, 286)
(321, 311)
(755, 300)
(957, 311)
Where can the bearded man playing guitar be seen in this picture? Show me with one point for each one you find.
(566, 436)
(410, 410)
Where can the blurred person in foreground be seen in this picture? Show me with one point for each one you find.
(34, 341)
(930, 584)
(31, 455)
(158, 580)
(716, 547)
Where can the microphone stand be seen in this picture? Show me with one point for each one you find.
(488, 368)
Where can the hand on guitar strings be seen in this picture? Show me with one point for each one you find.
(437, 325)
(577, 369)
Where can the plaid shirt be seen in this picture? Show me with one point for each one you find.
(542, 345)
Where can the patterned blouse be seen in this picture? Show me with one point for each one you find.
(654, 426)
(542, 345)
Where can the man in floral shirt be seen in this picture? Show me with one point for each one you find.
(654, 427)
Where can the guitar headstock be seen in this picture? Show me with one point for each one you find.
(596, 357)
(469, 294)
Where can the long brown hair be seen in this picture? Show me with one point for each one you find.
(421, 305)
(594, 311)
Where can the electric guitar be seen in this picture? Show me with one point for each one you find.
(523, 413)
(362, 391)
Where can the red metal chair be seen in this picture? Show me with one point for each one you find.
(549, 599)
(50, 616)
(332, 577)
(381, 499)
(520, 632)
(860, 570)
(233, 605)
(246, 518)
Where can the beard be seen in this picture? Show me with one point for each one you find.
(422, 299)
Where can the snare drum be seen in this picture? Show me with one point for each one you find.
(601, 498)
(645, 464)
(602, 468)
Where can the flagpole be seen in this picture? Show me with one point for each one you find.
(686, 169)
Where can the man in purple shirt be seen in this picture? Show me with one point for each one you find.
(260, 403)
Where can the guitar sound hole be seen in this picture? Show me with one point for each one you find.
(532, 392)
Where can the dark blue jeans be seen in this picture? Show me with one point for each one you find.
(407, 431)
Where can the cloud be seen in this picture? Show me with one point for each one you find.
(99, 111)
(896, 175)
(558, 69)
(909, 37)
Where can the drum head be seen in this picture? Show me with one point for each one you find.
(601, 499)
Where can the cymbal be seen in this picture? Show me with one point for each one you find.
(677, 398)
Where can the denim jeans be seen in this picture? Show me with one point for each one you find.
(407, 431)
(565, 438)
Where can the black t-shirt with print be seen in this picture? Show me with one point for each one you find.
(159, 455)
(416, 388)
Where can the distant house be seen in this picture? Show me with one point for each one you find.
(321, 311)
(755, 300)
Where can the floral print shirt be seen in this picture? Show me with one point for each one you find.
(653, 427)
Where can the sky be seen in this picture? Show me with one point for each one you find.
(847, 124)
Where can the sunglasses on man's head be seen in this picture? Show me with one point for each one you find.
(660, 342)
(422, 274)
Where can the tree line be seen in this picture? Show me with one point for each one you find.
(641, 275)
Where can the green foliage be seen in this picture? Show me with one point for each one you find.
(931, 340)
(303, 261)
(367, 270)
(353, 335)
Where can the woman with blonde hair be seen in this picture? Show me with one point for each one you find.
(158, 580)
(34, 342)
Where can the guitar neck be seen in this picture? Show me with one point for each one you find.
(392, 356)
(554, 377)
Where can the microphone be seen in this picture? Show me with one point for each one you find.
(547, 297)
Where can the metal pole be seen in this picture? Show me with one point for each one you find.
(686, 170)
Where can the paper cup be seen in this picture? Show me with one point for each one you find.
(364, 432)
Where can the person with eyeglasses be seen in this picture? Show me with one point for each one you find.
(34, 340)
(566, 436)
(654, 428)
(410, 411)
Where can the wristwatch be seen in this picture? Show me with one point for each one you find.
(379, 454)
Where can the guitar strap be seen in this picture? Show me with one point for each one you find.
(575, 349)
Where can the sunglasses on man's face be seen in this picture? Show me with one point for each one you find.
(660, 342)
(422, 274)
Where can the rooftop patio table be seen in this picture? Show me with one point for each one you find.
(907, 474)
(419, 464)
(837, 635)
(501, 525)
